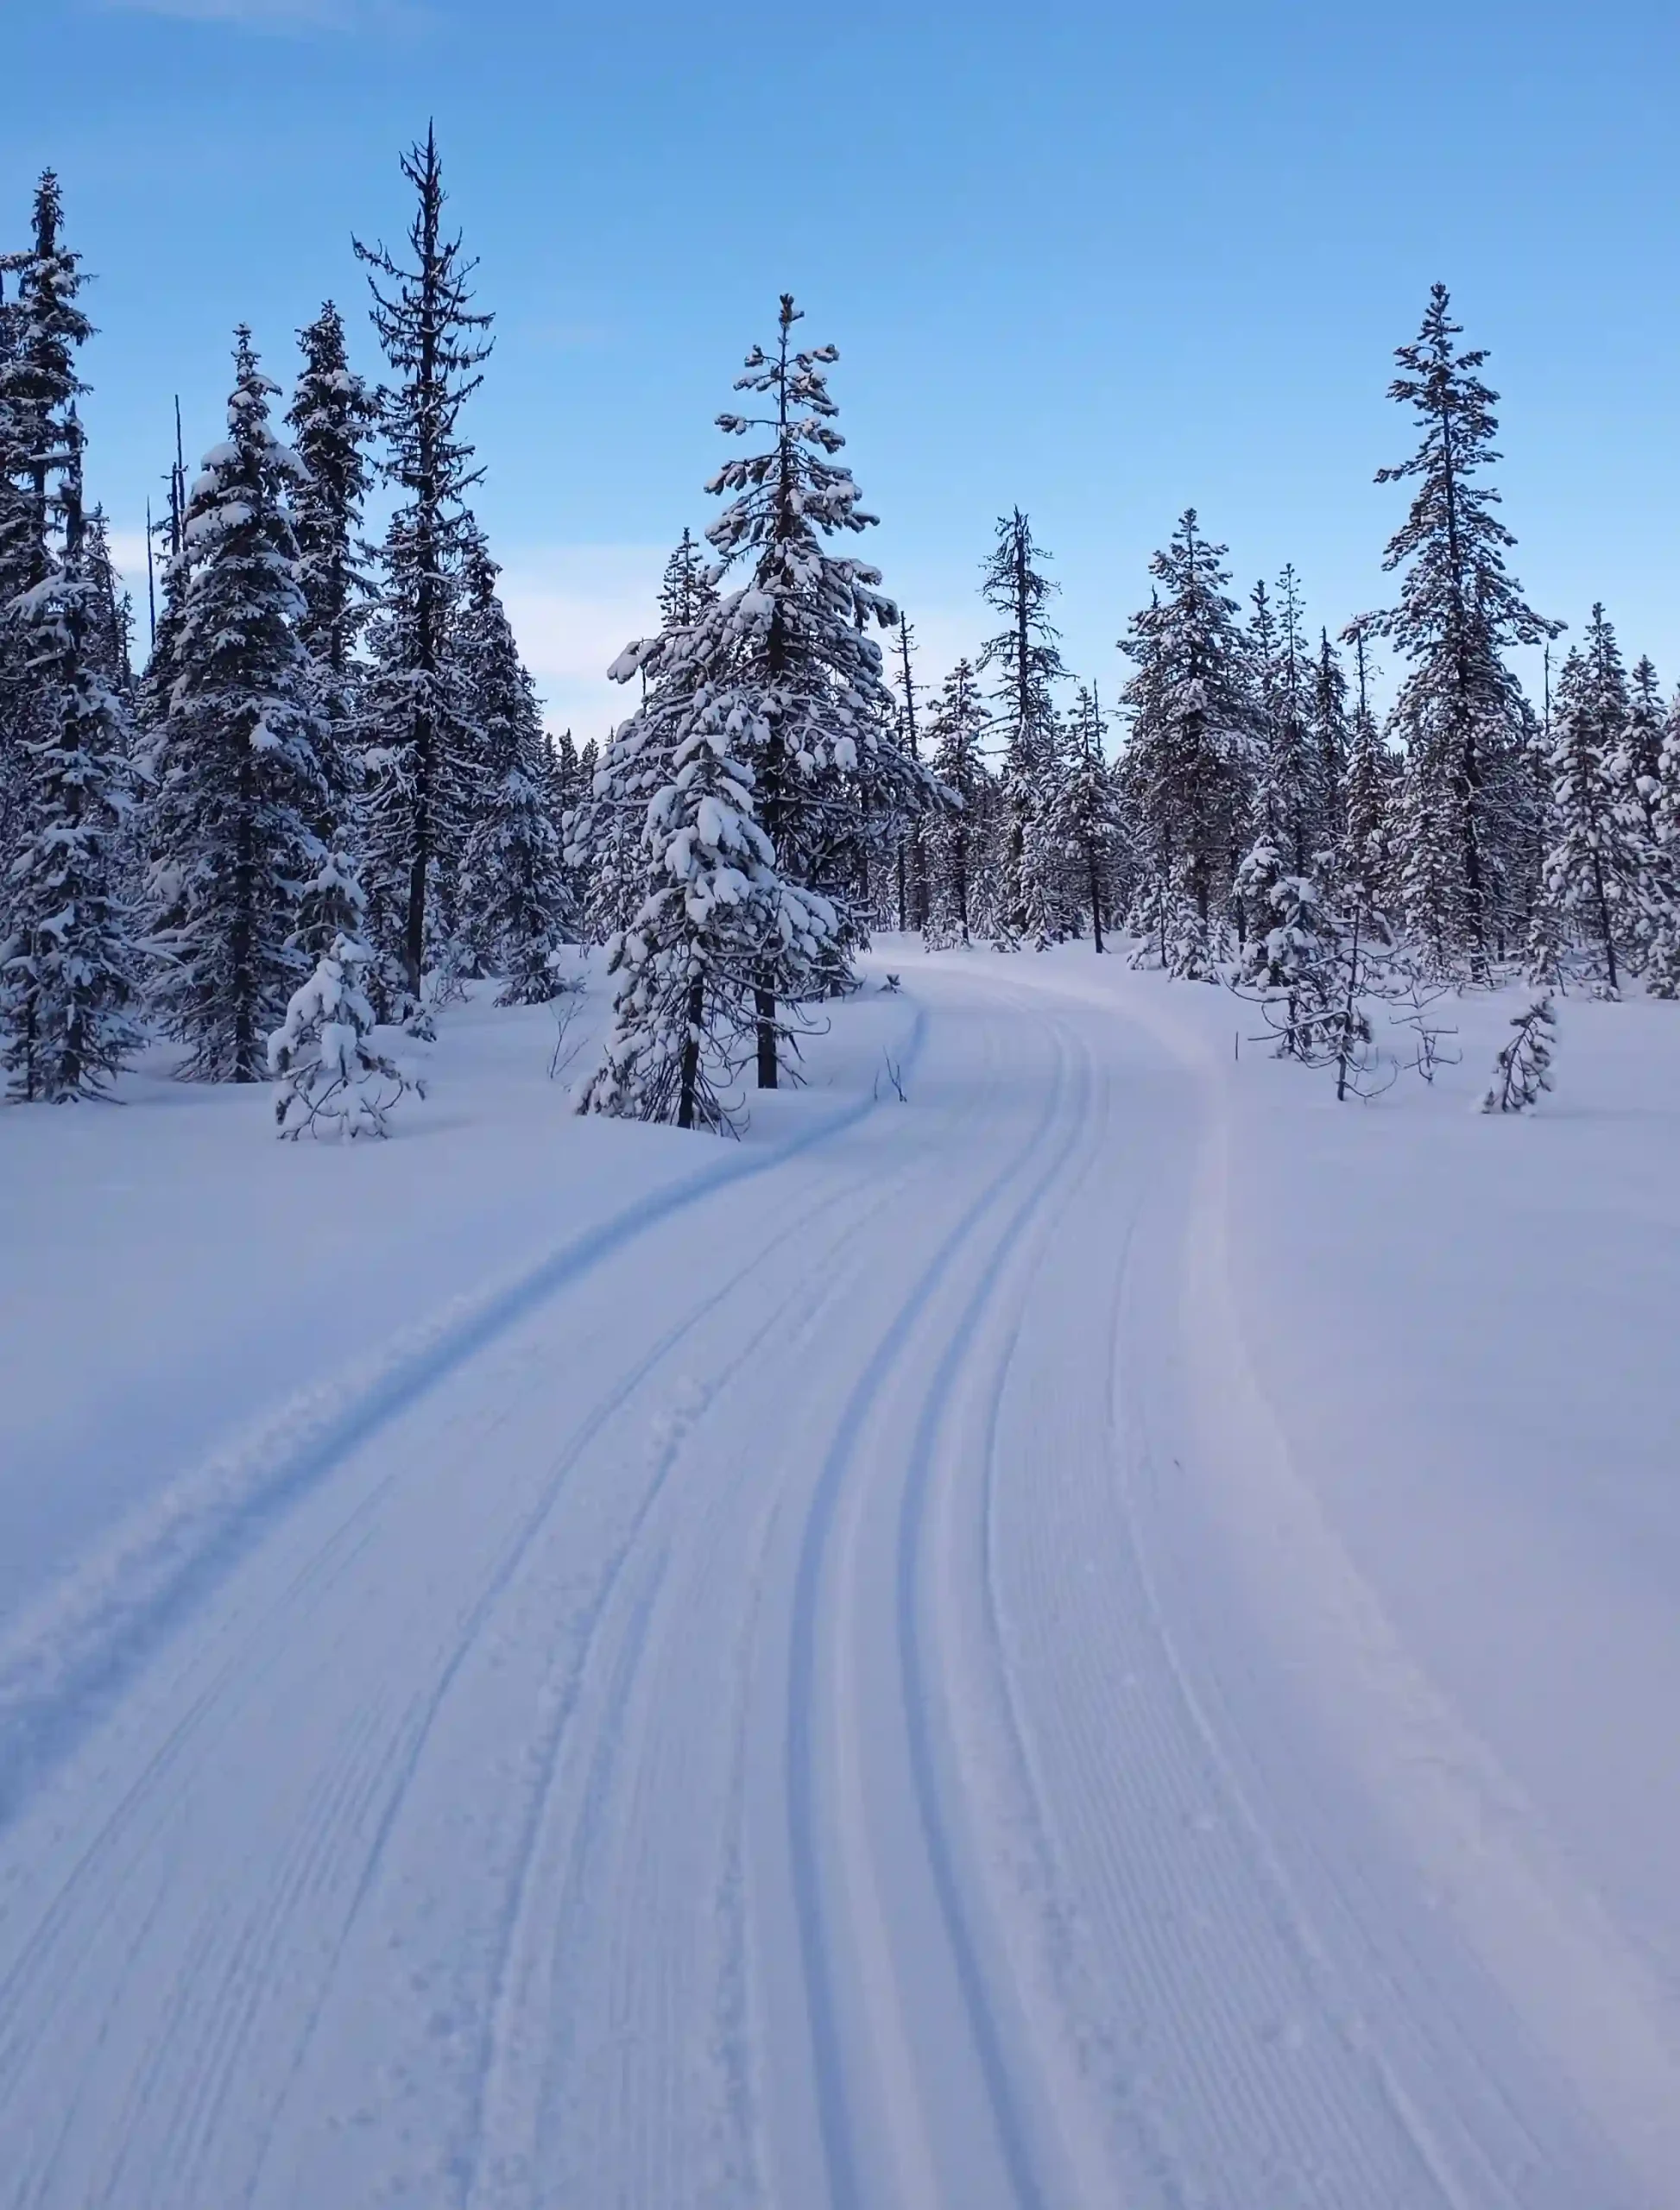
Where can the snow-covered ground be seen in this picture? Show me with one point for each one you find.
(1108, 1635)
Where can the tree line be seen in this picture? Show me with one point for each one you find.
(327, 802)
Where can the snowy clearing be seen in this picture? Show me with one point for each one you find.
(1103, 1635)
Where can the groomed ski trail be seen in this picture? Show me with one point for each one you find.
(781, 1709)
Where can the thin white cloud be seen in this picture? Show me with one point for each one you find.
(277, 15)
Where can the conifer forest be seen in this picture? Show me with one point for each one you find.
(319, 754)
(903, 1438)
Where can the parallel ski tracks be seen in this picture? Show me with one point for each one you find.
(366, 1771)
(1061, 1128)
(981, 1830)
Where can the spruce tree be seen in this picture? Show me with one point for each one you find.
(1292, 956)
(420, 800)
(910, 855)
(1366, 860)
(1327, 722)
(1458, 715)
(1187, 772)
(331, 420)
(1636, 762)
(515, 896)
(1025, 659)
(241, 779)
(608, 814)
(687, 587)
(789, 651)
(334, 1080)
(109, 609)
(1662, 949)
(45, 328)
(1086, 819)
(68, 968)
(1599, 864)
(955, 837)
(687, 1013)
(1290, 805)
(1667, 779)
(42, 328)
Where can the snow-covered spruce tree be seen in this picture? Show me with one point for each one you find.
(68, 966)
(241, 780)
(687, 587)
(957, 736)
(1327, 724)
(1292, 956)
(1523, 1068)
(43, 327)
(788, 656)
(687, 1015)
(13, 569)
(421, 743)
(608, 811)
(331, 420)
(1458, 716)
(1599, 864)
(515, 903)
(1085, 818)
(1636, 762)
(565, 775)
(1662, 947)
(1667, 779)
(910, 850)
(1291, 807)
(1024, 659)
(334, 1079)
(1187, 770)
(153, 695)
(109, 608)
(1364, 862)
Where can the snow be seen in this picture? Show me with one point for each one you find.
(1106, 1634)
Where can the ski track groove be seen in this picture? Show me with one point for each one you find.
(517, 1933)
(83, 1674)
(830, 2081)
(531, 1529)
(493, 2157)
(1175, 1860)
(358, 1425)
(1014, 2128)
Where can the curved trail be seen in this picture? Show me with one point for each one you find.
(781, 1712)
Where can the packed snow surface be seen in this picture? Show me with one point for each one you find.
(1106, 1635)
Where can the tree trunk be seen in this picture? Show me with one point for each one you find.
(243, 945)
(1097, 897)
(1605, 929)
(690, 1059)
(768, 1070)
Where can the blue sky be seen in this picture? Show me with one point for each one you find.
(1100, 261)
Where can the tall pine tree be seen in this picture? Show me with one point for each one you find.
(68, 967)
(1600, 865)
(1025, 660)
(241, 781)
(43, 327)
(515, 904)
(789, 652)
(331, 420)
(421, 747)
(956, 838)
(1459, 714)
(1188, 767)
